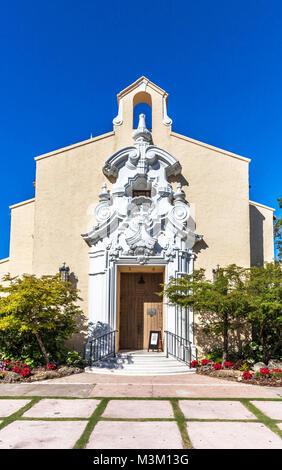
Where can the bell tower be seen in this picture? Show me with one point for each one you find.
(142, 91)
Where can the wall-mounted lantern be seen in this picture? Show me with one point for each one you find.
(64, 271)
(215, 272)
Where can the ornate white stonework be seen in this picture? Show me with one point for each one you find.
(150, 229)
(166, 120)
(117, 121)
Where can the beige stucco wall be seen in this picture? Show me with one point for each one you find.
(21, 237)
(67, 187)
(69, 180)
(219, 190)
(261, 234)
(21, 240)
(4, 267)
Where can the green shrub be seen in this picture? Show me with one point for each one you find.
(73, 358)
(215, 355)
(24, 347)
(37, 310)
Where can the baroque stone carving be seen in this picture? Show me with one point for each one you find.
(141, 217)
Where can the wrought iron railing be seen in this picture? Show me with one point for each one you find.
(178, 347)
(103, 346)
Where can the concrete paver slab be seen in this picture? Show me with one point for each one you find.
(213, 391)
(63, 390)
(135, 435)
(138, 409)
(41, 434)
(209, 409)
(12, 390)
(61, 408)
(273, 409)
(122, 390)
(8, 407)
(216, 435)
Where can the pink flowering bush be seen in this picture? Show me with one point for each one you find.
(4, 365)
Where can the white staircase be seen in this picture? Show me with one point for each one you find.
(140, 363)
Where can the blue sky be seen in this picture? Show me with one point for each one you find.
(63, 62)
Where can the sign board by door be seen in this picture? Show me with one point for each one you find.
(153, 316)
(155, 340)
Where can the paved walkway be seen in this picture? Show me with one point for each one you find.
(87, 384)
(99, 412)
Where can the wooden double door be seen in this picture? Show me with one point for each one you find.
(141, 309)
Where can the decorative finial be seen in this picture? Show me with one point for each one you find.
(104, 195)
(142, 134)
(179, 194)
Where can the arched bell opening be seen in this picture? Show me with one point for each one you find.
(142, 104)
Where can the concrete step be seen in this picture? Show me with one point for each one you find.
(95, 370)
(140, 363)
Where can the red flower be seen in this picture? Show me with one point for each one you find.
(205, 362)
(217, 366)
(25, 372)
(265, 372)
(247, 375)
(21, 368)
(195, 364)
(228, 364)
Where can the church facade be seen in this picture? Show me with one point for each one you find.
(128, 209)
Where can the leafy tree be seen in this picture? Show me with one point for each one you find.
(224, 296)
(278, 232)
(38, 306)
(264, 291)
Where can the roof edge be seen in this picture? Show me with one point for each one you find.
(23, 203)
(72, 146)
(4, 260)
(136, 83)
(253, 203)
